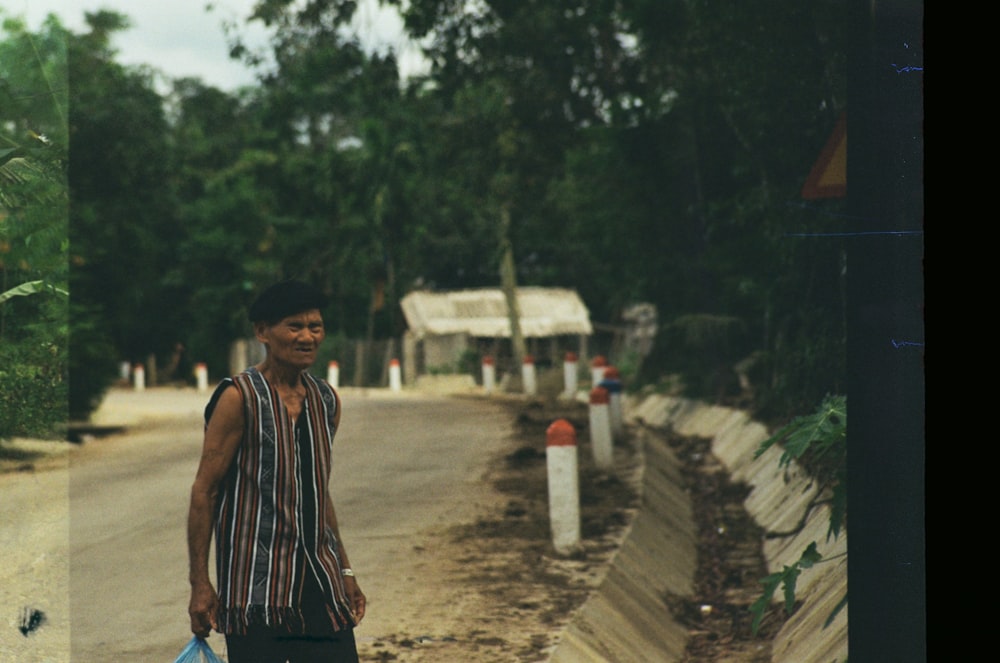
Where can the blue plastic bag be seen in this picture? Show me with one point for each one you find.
(198, 651)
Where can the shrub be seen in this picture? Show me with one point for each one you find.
(33, 389)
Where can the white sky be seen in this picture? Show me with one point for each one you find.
(180, 38)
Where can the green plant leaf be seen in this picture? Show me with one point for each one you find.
(823, 429)
(30, 288)
(838, 509)
(791, 577)
(836, 610)
(759, 607)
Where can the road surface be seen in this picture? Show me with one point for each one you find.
(97, 544)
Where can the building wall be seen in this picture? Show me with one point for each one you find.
(444, 353)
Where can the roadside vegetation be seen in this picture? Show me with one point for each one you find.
(34, 325)
(817, 442)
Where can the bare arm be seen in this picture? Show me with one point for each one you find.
(222, 438)
(354, 593)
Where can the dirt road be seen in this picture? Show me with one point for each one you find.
(98, 542)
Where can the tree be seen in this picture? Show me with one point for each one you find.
(224, 163)
(33, 218)
(696, 124)
(123, 227)
(341, 132)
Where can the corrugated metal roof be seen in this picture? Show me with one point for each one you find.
(482, 312)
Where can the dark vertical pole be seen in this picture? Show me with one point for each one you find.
(886, 389)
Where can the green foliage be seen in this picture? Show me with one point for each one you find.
(30, 288)
(818, 442)
(33, 230)
(702, 349)
(645, 151)
(785, 579)
(93, 364)
(33, 388)
(124, 232)
(821, 432)
(34, 362)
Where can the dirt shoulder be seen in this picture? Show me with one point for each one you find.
(518, 594)
(30, 455)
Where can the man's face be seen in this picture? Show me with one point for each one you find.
(294, 340)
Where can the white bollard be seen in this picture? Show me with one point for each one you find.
(124, 369)
(395, 380)
(489, 375)
(139, 377)
(333, 374)
(201, 375)
(564, 486)
(600, 428)
(528, 375)
(612, 382)
(597, 367)
(570, 375)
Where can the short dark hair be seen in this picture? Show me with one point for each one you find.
(285, 298)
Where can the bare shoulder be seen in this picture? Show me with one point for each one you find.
(227, 413)
(230, 398)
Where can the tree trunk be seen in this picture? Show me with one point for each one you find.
(508, 281)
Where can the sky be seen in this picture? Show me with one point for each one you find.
(181, 39)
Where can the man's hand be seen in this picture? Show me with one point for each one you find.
(357, 597)
(204, 603)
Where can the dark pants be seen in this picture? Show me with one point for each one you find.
(261, 645)
(264, 644)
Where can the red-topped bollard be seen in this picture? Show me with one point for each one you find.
(333, 374)
(395, 376)
(528, 375)
(564, 486)
(139, 377)
(597, 366)
(570, 375)
(489, 374)
(600, 428)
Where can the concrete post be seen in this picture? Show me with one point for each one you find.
(395, 377)
(570, 375)
(600, 428)
(201, 375)
(139, 377)
(564, 486)
(528, 375)
(489, 374)
(597, 367)
(333, 374)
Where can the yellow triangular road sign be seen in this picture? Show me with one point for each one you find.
(828, 178)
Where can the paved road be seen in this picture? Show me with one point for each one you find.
(406, 465)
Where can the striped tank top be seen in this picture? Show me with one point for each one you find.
(271, 536)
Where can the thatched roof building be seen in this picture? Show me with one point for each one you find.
(482, 313)
(445, 326)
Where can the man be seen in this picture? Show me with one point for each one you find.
(286, 588)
